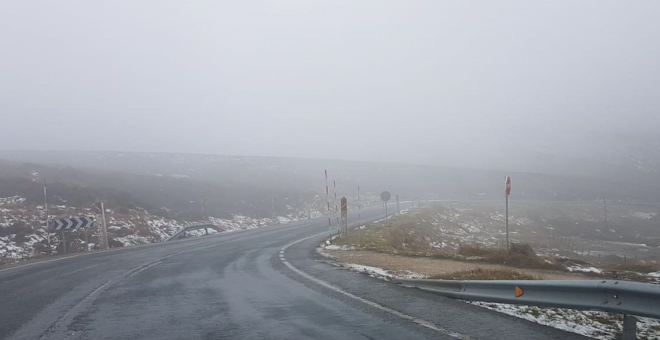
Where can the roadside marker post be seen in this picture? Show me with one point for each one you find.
(507, 192)
(344, 214)
(47, 219)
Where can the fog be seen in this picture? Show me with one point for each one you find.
(433, 82)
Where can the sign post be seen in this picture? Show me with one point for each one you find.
(507, 192)
(385, 196)
(63, 242)
(104, 231)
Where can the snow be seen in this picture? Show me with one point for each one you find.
(587, 323)
(578, 268)
(373, 271)
(336, 247)
(643, 215)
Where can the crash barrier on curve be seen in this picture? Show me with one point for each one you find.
(628, 298)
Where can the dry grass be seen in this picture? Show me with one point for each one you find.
(402, 235)
(485, 274)
(408, 235)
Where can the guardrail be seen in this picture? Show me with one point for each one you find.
(628, 298)
(184, 230)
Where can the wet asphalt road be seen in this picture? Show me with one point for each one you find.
(239, 285)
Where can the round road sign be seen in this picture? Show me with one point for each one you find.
(385, 196)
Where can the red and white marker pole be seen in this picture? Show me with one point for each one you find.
(507, 192)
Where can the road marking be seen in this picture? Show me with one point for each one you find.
(418, 321)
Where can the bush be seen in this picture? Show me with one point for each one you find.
(521, 255)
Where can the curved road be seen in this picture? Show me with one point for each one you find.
(264, 283)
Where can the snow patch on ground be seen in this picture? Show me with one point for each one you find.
(372, 271)
(579, 268)
(643, 215)
(336, 247)
(599, 325)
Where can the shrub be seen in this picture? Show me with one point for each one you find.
(521, 255)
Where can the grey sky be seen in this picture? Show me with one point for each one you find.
(411, 81)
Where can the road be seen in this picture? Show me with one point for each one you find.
(263, 283)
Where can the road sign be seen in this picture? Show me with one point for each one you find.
(385, 196)
(507, 185)
(72, 223)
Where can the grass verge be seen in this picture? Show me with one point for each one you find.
(485, 274)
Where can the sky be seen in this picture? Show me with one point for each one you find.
(404, 81)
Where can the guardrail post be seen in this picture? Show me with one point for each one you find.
(629, 327)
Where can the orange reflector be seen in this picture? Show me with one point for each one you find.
(519, 292)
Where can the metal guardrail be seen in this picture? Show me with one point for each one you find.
(628, 298)
(184, 230)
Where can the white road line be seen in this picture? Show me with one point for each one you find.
(416, 320)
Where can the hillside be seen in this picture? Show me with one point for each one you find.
(290, 176)
(22, 233)
(150, 196)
